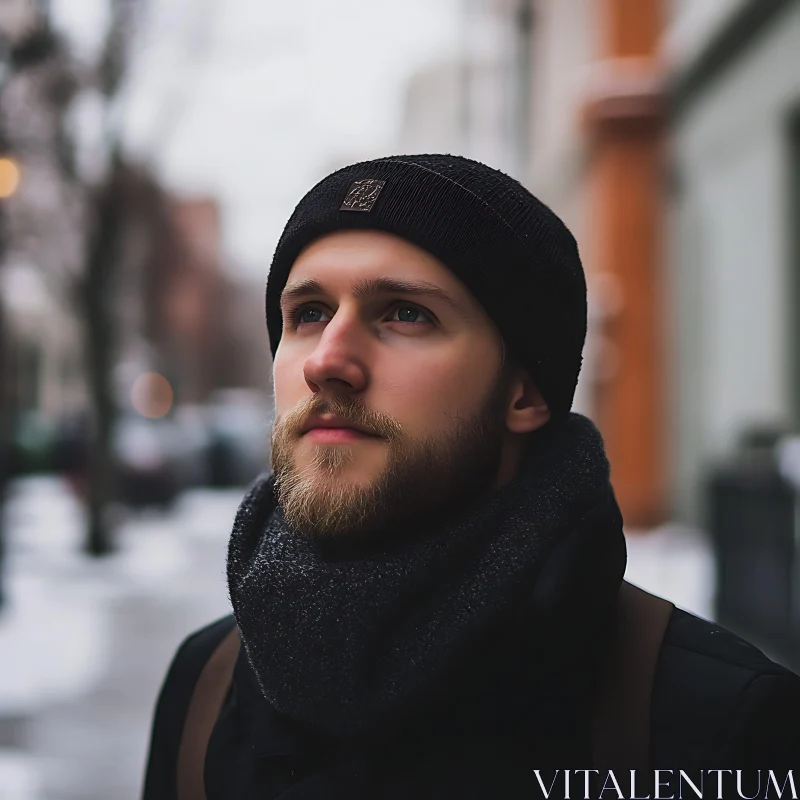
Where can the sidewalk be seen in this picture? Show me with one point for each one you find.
(84, 645)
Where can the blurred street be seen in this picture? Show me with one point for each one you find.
(86, 643)
(150, 156)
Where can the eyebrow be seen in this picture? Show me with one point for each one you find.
(372, 287)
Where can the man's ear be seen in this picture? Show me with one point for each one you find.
(527, 408)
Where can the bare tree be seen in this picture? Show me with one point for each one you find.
(27, 44)
(96, 294)
(107, 208)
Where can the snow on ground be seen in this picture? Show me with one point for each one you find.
(55, 595)
(19, 776)
(57, 624)
(45, 620)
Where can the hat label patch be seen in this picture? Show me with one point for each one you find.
(362, 195)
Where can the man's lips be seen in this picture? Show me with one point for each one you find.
(334, 429)
(334, 435)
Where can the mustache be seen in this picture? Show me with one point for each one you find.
(350, 410)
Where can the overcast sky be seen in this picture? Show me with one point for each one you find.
(254, 100)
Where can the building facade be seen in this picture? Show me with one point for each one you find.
(42, 231)
(667, 135)
(734, 222)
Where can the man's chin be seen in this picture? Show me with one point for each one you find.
(349, 464)
(346, 478)
(326, 512)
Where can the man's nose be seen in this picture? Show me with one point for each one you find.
(337, 361)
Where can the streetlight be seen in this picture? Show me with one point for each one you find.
(9, 177)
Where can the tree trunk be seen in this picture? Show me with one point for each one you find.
(98, 299)
(5, 440)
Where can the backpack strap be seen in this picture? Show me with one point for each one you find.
(621, 723)
(204, 708)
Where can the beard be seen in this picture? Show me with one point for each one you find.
(423, 477)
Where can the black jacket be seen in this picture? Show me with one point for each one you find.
(717, 703)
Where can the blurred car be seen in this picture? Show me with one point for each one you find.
(190, 449)
(71, 452)
(239, 423)
(145, 453)
(33, 443)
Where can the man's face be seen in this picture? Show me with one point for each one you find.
(389, 391)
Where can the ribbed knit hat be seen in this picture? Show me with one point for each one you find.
(510, 250)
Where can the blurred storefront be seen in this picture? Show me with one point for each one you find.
(597, 131)
(734, 255)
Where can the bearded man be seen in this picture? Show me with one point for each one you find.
(427, 587)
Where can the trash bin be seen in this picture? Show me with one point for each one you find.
(753, 521)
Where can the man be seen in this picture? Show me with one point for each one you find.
(427, 586)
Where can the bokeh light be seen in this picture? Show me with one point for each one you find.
(9, 177)
(151, 395)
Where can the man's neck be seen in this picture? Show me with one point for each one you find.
(510, 461)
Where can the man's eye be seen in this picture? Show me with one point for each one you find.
(307, 314)
(406, 313)
(409, 314)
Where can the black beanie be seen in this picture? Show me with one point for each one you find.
(510, 250)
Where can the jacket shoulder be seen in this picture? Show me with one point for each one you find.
(173, 703)
(717, 698)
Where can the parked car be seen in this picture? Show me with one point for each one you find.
(192, 441)
(71, 452)
(239, 422)
(33, 443)
(145, 452)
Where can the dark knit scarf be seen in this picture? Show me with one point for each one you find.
(342, 641)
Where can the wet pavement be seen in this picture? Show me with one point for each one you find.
(121, 620)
